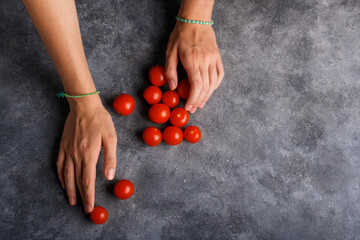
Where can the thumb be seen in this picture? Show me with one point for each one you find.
(172, 60)
(109, 145)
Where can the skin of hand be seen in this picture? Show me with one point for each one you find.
(88, 125)
(195, 46)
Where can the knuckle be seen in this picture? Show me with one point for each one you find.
(65, 143)
(197, 83)
(209, 56)
(194, 67)
(216, 53)
(68, 174)
(86, 181)
(206, 57)
(112, 138)
(84, 152)
(83, 146)
(188, 57)
(84, 149)
(193, 70)
(82, 123)
(74, 154)
(205, 87)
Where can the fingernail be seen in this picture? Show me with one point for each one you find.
(62, 185)
(171, 84)
(202, 105)
(193, 110)
(87, 208)
(188, 107)
(110, 174)
(72, 201)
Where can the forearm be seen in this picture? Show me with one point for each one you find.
(58, 27)
(196, 9)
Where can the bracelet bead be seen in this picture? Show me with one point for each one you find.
(194, 21)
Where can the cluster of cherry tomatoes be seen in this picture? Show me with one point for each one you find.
(160, 113)
(123, 190)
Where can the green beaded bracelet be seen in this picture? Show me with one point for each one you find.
(194, 21)
(63, 94)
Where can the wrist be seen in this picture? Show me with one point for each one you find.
(83, 104)
(184, 26)
(195, 31)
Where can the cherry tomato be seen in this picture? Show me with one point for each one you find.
(123, 189)
(159, 113)
(179, 117)
(124, 104)
(173, 135)
(183, 88)
(192, 134)
(99, 215)
(171, 99)
(152, 136)
(152, 94)
(157, 76)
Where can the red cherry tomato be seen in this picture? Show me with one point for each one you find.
(152, 136)
(183, 88)
(171, 99)
(159, 113)
(192, 134)
(157, 76)
(179, 117)
(99, 215)
(123, 189)
(152, 94)
(173, 135)
(124, 104)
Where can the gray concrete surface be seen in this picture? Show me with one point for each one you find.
(280, 155)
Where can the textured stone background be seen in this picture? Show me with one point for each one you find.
(280, 154)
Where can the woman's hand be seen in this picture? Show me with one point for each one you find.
(195, 45)
(88, 127)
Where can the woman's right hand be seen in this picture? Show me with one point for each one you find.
(88, 127)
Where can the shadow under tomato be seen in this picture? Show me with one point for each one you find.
(108, 101)
(110, 187)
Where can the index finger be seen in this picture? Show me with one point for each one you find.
(109, 144)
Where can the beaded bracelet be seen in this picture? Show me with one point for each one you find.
(63, 94)
(194, 21)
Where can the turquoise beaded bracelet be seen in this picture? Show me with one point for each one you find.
(63, 94)
(194, 21)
